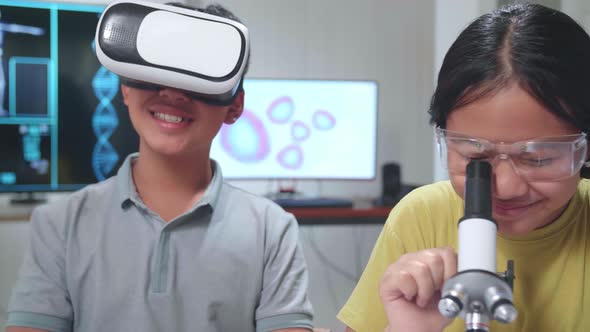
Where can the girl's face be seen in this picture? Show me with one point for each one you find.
(508, 116)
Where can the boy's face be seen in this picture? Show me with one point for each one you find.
(508, 116)
(170, 123)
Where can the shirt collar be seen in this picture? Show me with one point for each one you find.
(213, 191)
(126, 186)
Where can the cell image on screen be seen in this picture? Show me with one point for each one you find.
(62, 122)
(305, 129)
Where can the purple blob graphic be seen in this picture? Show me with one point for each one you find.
(247, 139)
(290, 157)
(300, 131)
(323, 120)
(281, 110)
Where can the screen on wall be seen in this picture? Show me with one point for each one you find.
(63, 124)
(62, 121)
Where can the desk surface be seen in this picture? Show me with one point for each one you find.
(338, 216)
(15, 213)
(315, 215)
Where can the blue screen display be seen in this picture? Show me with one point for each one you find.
(62, 121)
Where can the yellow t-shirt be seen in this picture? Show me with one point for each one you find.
(552, 264)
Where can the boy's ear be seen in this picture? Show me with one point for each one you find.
(235, 109)
(124, 93)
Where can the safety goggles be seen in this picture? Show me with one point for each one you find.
(191, 94)
(538, 160)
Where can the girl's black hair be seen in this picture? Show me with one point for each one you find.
(542, 50)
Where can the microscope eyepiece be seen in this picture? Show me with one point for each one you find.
(479, 169)
(478, 190)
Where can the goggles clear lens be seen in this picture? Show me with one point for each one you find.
(544, 159)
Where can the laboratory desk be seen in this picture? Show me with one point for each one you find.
(340, 215)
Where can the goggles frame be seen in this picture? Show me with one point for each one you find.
(550, 150)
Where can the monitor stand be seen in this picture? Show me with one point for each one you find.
(28, 198)
(285, 194)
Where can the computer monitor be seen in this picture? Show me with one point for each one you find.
(302, 129)
(63, 124)
(62, 121)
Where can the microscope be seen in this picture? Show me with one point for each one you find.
(477, 293)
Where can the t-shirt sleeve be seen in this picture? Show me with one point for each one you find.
(40, 298)
(284, 302)
(363, 311)
(407, 229)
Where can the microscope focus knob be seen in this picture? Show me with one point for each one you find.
(450, 306)
(505, 313)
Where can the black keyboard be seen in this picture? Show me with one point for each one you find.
(313, 202)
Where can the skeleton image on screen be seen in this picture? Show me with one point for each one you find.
(63, 124)
(6, 27)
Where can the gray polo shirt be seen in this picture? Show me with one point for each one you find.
(100, 260)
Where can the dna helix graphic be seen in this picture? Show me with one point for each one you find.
(104, 122)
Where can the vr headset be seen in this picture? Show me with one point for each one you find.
(151, 45)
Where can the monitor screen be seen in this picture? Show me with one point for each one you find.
(302, 129)
(62, 121)
(63, 124)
